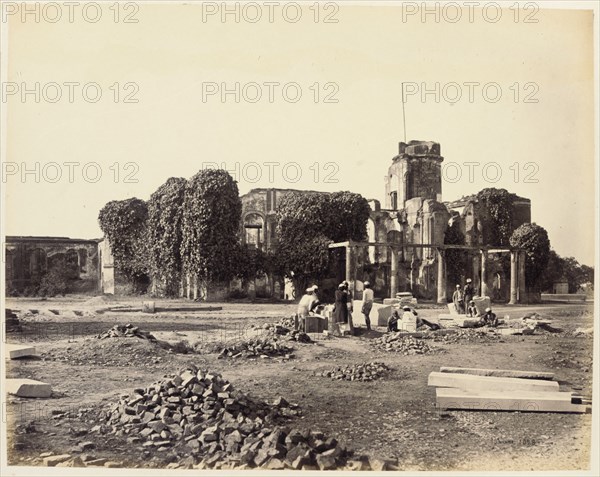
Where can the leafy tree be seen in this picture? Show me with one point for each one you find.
(576, 274)
(497, 216)
(554, 271)
(124, 225)
(534, 240)
(211, 224)
(346, 215)
(165, 224)
(308, 223)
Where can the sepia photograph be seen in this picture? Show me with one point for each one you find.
(295, 237)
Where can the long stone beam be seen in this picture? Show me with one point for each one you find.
(490, 249)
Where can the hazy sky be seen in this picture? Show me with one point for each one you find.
(177, 60)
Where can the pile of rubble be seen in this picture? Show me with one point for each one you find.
(407, 345)
(287, 322)
(199, 416)
(126, 331)
(264, 347)
(357, 372)
(288, 331)
(12, 321)
(469, 335)
(120, 353)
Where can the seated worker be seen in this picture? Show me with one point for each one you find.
(420, 321)
(489, 318)
(472, 310)
(393, 321)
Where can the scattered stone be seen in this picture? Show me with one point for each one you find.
(53, 460)
(126, 331)
(469, 335)
(264, 347)
(407, 345)
(219, 427)
(12, 324)
(358, 372)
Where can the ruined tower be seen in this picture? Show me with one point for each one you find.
(415, 172)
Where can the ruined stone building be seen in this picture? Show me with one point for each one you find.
(413, 216)
(27, 259)
(406, 249)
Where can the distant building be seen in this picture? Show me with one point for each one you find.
(29, 258)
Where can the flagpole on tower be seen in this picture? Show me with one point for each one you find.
(403, 113)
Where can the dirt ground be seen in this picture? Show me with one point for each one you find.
(394, 417)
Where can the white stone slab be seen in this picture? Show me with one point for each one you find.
(28, 388)
(14, 351)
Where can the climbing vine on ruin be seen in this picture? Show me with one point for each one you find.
(307, 224)
(497, 218)
(212, 212)
(165, 222)
(124, 223)
(534, 240)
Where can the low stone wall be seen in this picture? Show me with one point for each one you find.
(568, 297)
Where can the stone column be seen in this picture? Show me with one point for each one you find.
(441, 277)
(513, 277)
(394, 273)
(349, 257)
(484, 288)
(521, 290)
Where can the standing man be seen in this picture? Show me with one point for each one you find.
(340, 310)
(393, 321)
(457, 299)
(305, 306)
(350, 304)
(368, 297)
(469, 292)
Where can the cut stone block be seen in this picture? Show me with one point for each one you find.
(28, 388)
(14, 351)
(481, 303)
(508, 373)
(379, 314)
(490, 383)
(315, 324)
(452, 398)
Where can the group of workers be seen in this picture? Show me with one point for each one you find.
(342, 311)
(462, 298)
